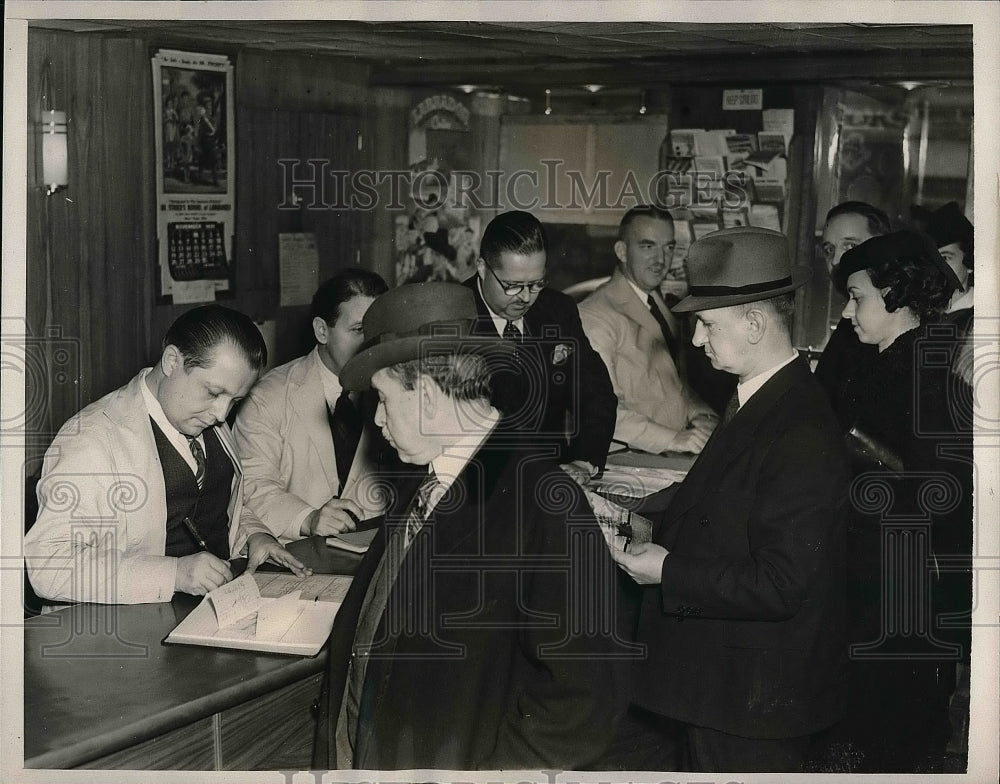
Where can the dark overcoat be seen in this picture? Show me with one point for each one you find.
(497, 648)
(747, 632)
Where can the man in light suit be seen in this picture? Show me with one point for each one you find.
(641, 342)
(556, 388)
(470, 651)
(141, 492)
(744, 613)
(306, 474)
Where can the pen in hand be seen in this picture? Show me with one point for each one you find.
(194, 533)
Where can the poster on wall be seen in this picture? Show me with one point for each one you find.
(438, 237)
(195, 174)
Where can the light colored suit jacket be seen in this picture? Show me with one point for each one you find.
(653, 401)
(100, 534)
(283, 438)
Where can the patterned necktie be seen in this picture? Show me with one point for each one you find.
(345, 426)
(199, 460)
(418, 514)
(731, 408)
(668, 336)
(511, 332)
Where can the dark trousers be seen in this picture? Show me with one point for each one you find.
(707, 750)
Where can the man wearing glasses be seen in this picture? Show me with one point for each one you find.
(642, 344)
(555, 385)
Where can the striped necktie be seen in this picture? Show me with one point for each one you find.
(418, 514)
(199, 460)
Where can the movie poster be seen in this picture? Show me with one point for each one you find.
(195, 174)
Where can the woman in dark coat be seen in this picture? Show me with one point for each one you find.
(910, 532)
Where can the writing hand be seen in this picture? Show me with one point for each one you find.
(263, 547)
(643, 562)
(200, 573)
(335, 516)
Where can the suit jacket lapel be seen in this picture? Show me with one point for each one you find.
(628, 302)
(308, 400)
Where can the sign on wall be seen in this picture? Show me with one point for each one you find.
(195, 174)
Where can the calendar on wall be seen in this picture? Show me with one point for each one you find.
(195, 174)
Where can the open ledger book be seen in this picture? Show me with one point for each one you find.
(272, 612)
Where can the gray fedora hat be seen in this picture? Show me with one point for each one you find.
(417, 320)
(738, 265)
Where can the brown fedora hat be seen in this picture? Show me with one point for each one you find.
(413, 321)
(742, 264)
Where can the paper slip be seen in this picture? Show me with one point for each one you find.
(234, 600)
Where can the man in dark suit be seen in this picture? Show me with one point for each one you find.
(744, 623)
(470, 649)
(555, 384)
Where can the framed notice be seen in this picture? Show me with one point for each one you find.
(195, 174)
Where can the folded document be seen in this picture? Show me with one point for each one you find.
(236, 615)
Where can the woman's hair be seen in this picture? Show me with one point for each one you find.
(911, 283)
(906, 267)
(342, 287)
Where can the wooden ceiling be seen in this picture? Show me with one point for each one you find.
(613, 54)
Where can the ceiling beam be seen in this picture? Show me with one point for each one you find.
(948, 64)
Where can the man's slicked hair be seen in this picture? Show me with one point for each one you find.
(198, 332)
(878, 221)
(344, 286)
(514, 232)
(643, 211)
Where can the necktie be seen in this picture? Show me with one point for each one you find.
(345, 426)
(511, 332)
(418, 514)
(668, 336)
(731, 408)
(199, 460)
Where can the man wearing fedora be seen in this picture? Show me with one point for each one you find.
(470, 651)
(744, 617)
(557, 387)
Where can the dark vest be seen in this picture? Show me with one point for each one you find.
(208, 507)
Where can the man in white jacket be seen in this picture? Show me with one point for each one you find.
(141, 492)
(630, 326)
(311, 456)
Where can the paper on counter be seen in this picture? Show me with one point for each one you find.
(276, 616)
(234, 600)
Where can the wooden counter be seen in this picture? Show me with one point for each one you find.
(102, 691)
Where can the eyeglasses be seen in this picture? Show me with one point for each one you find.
(513, 289)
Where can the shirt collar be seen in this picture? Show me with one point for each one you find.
(642, 295)
(454, 458)
(178, 440)
(748, 388)
(499, 322)
(331, 384)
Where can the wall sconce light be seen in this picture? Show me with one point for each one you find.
(54, 138)
(548, 101)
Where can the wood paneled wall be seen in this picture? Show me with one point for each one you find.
(91, 249)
